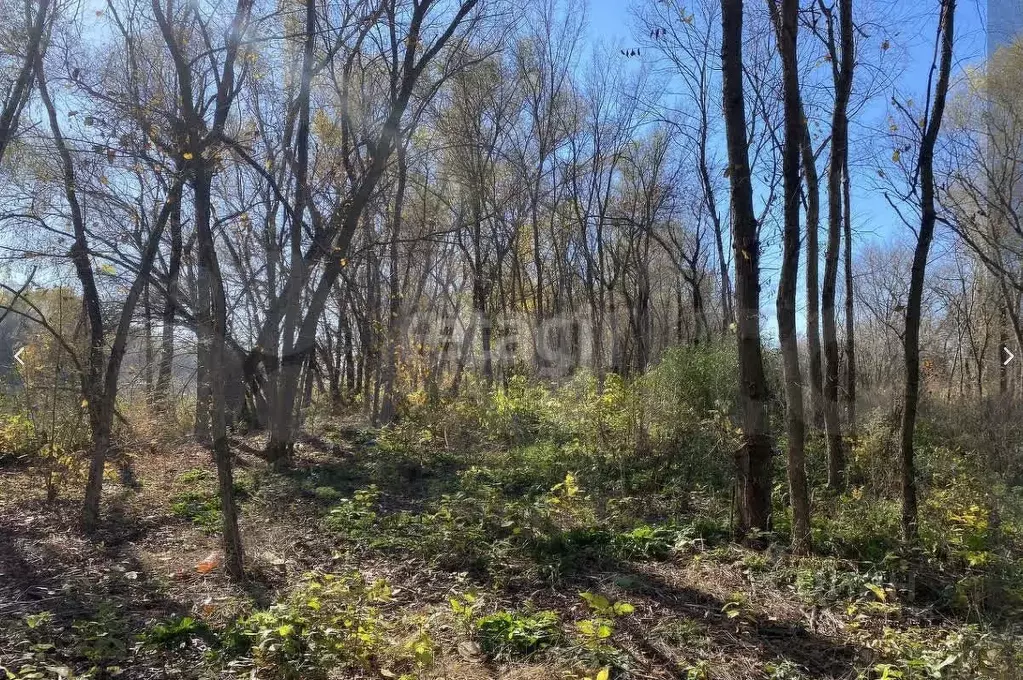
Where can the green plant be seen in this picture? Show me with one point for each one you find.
(422, 649)
(355, 516)
(597, 630)
(464, 607)
(202, 508)
(193, 476)
(507, 634)
(784, 670)
(102, 639)
(700, 671)
(328, 621)
(645, 541)
(738, 607)
(40, 620)
(176, 631)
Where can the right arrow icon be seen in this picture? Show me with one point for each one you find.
(1009, 356)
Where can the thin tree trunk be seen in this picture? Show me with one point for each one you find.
(165, 371)
(753, 459)
(92, 379)
(813, 307)
(215, 323)
(148, 350)
(850, 311)
(19, 92)
(786, 27)
(388, 410)
(843, 72)
(928, 217)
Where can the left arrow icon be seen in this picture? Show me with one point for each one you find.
(17, 356)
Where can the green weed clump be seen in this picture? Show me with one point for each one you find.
(515, 634)
(329, 621)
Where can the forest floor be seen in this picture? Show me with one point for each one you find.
(443, 567)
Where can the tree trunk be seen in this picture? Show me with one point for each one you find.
(753, 459)
(928, 217)
(165, 370)
(842, 72)
(147, 340)
(214, 321)
(850, 310)
(388, 410)
(813, 307)
(203, 361)
(786, 27)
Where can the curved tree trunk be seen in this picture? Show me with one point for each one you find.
(928, 217)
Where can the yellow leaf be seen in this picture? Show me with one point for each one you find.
(878, 591)
(187, 156)
(896, 155)
(604, 674)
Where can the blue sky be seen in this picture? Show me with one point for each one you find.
(610, 21)
(913, 30)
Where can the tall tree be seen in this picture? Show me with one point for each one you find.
(924, 175)
(841, 53)
(204, 116)
(786, 21)
(753, 458)
(402, 33)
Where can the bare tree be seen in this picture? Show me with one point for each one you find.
(923, 176)
(786, 27)
(753, 459)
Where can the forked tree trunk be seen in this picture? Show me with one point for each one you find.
(19, 91)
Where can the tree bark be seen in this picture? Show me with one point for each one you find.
(753, 459)
(166, 367)
(928, 217)
(850, 308)
(842, 70)
(388, 410)
(813, 306)
(19, 92)
(215, 329)
(786, 27)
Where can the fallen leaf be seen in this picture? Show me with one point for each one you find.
(211, 562)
